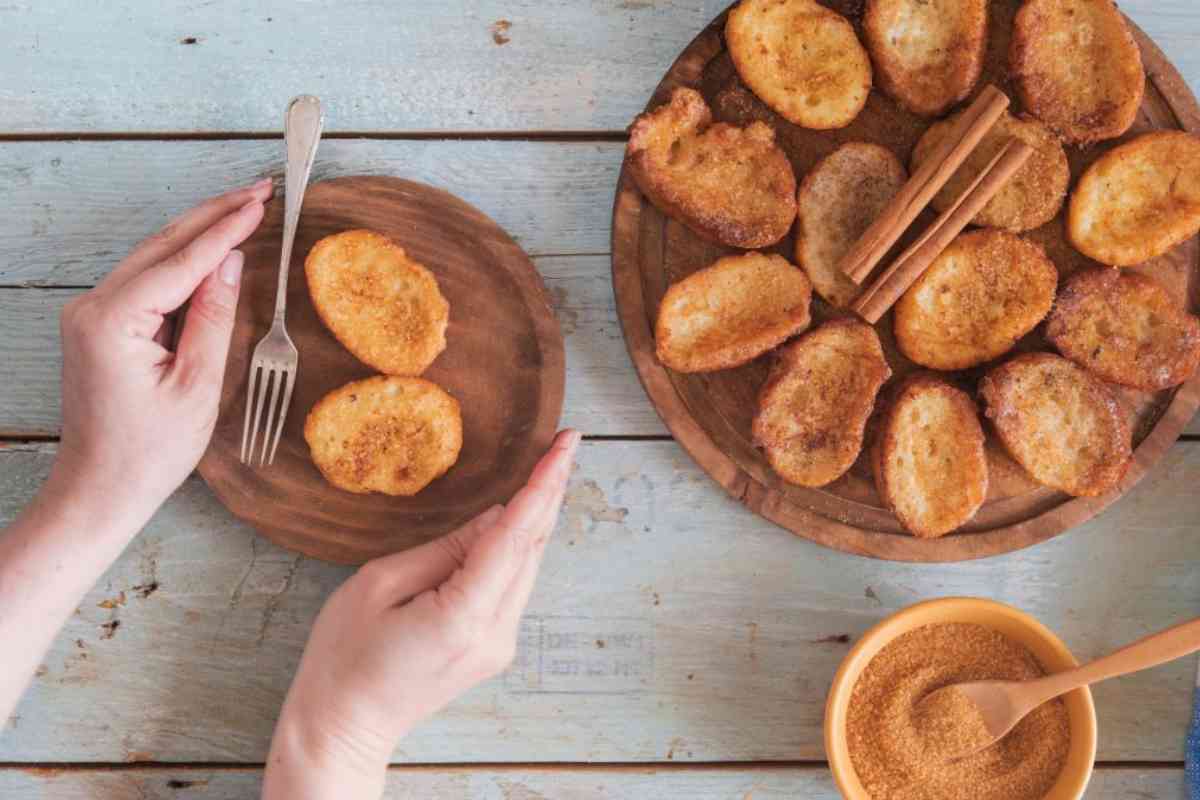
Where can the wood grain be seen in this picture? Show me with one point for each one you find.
(516, 65)
(504, 364)
(72, 209)
(721, 633)
(711, 414)
(519, 783)
(380, 66)
(602, 393)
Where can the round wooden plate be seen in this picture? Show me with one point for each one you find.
(503, 362)
(710, 414)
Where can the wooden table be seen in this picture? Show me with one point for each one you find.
(677, 646)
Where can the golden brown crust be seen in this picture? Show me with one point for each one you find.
(814, 407)
(928, 54)
(733, 186)
(1077, 67)
(731, 312)
(1125, 328)
(384, 434)
(929, 459)
(381, 305)
(1059, 422)
(1031, 197)
(839, 198)
(801, 59)
(1138, 200)
(975, 301)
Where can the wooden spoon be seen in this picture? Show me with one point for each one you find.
(1002, 704)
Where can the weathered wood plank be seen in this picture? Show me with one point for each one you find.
(1174, 25)
(669, 624)
(519, 783)
(71, 209)
(490, 66)
(451, 66)
(603, 398)
(603, 394)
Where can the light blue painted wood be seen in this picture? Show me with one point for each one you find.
(721, 633)
(582, 65)
(603, 394)
(567, 783)
(1174, 25)
(69, 209)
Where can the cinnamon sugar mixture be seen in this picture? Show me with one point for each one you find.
(898, 757)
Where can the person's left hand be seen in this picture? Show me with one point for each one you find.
(406, 635)
(137, 416)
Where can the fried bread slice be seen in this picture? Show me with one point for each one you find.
(814, 407)
(386, 434)
(839, 199)
(383, 306)
(928, 54)
(1138, 200)
(730, 185)
(1077, 67)
(731, 312)
(929, 458)
(1032, 196)
(801, 59)
(975, 301)
(1060, 422)
(1125, 328)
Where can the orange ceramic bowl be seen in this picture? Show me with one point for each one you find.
(1014, 624)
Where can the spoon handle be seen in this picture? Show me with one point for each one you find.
(1155, 649)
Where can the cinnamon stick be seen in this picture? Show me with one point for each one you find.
(926, 182)
(912, 263)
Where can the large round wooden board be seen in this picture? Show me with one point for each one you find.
(503, 362)
(710, 414)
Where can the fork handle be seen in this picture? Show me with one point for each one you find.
(301, 132)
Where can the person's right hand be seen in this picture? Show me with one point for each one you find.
(137, 415)
(406, 635)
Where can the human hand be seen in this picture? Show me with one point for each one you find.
(137, 417)
(407, 634)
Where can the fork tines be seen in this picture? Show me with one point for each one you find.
(263, 391)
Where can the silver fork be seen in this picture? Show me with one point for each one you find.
(276, 363)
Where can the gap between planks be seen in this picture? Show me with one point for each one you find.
(9, 438)
(413, 136)
(515, 766)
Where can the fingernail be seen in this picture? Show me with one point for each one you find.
(255, 187)
(250, 205)
(574, 437)
(230, 271)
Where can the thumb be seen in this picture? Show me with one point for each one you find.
(208, 325)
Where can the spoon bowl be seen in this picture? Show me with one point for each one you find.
(963, 718)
